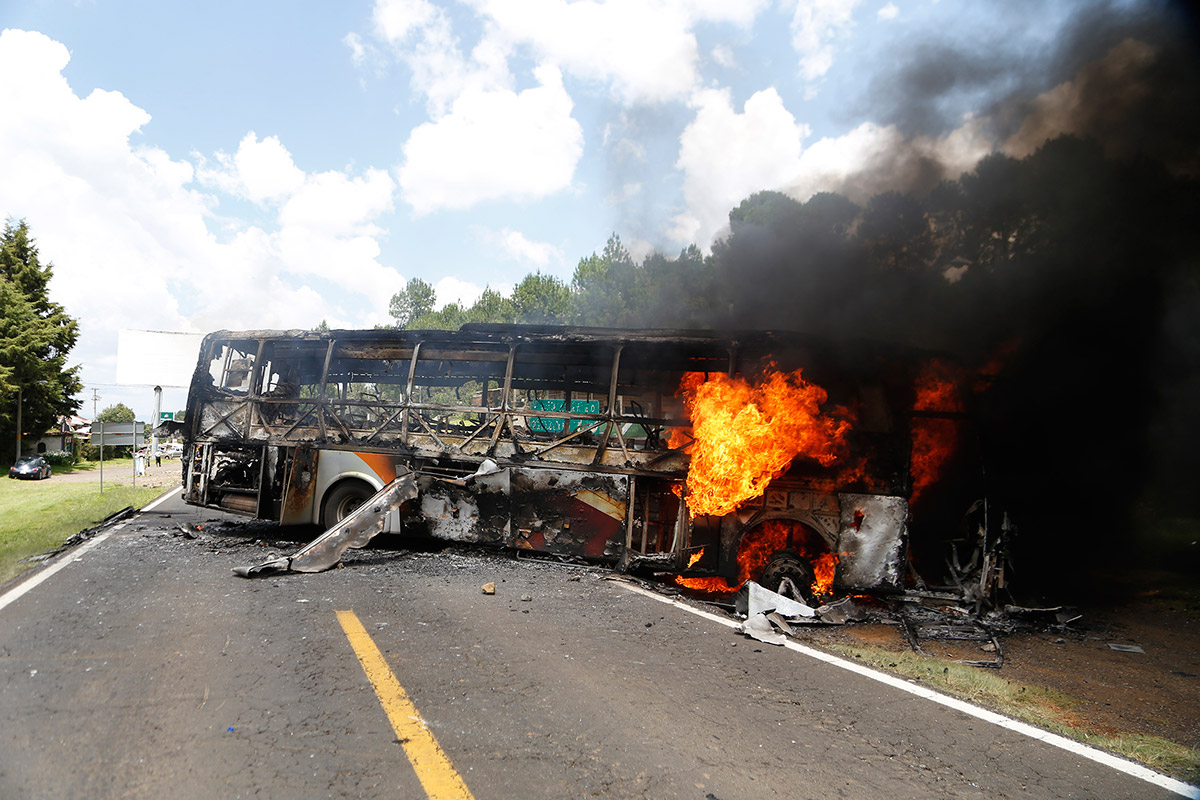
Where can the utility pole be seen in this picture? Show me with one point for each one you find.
(157, 414)
(18, 423)
(96, 397)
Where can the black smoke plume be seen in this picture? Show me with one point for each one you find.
(1071, 257)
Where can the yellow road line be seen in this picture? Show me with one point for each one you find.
(437, 774)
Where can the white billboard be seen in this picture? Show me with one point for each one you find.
(156, 358)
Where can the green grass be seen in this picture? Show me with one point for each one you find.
(1045, 708)
(38, 516)
(117, 466)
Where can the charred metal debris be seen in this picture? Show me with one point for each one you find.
(972, 609)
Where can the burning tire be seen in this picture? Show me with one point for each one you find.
(787, 565)
(343, 499)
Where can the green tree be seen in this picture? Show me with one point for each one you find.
(449, 317)
(118, 413)
(492, 307)
(678, 292)
(896, 232)
(610, 289)
(36, 334)
(542, 299)
(765, 209)
(412, 302)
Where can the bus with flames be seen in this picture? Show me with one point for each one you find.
(720, 457)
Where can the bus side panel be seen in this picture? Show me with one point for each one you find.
(300, 487)
(872, 542)
(573, 513)
(334, 466)
(475, 510)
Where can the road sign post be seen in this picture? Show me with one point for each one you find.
(118, 434)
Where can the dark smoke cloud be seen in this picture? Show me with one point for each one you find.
(923, 95)
(1134, 86)
(1127, 75)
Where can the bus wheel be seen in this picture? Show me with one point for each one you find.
(787, 565)
(341, 500)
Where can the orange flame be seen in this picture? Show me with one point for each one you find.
(824, 567)
(696, 556)
(759, 546)
(712, 585)
(934, 440)
(745, 435)
(937, 388)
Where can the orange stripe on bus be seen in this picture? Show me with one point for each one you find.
(381, 465)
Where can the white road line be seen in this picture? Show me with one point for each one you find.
(161, 500)
(1070, 745)
(71, 556)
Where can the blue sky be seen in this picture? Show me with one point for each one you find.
(191, 167)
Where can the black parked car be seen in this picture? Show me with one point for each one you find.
(34, 467)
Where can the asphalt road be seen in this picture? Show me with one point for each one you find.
(145, 669)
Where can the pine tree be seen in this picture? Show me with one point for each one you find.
(36, 335)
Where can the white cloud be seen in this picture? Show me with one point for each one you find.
(423, 37)
(645, 50)
(723, 55)
(494, 144)
(337, 204)
(876, 158)
(325, 222)
(358, 50)
(816, 25)
(485, 140)
(454, 290)
(890, 11)
(260, 171)
(127, 229)
(396, 19)
(639, 249)
(830, 162)
(726, 156)
(526, 251)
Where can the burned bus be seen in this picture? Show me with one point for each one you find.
(718, 456)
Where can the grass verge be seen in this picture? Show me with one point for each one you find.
(1046, 708)
(38, 516)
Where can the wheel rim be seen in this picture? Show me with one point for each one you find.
(347, 506)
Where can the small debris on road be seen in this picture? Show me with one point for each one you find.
(759, 627)
(762, 600)
(489, 588)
